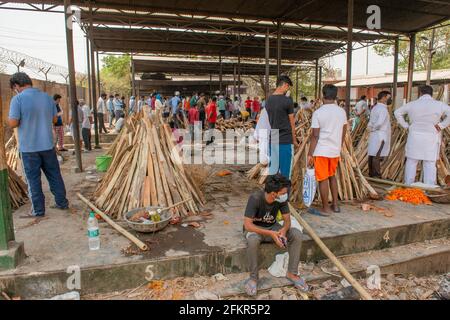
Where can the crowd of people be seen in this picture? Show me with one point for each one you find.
(37, 117)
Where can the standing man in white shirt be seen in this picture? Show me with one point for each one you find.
(380, 133)
(102, 111)
(329, 124)
(424, 136)
(359, 110)
(86, 125)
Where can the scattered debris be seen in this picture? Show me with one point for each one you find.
(220, 277)
(224, 173)
(73, 295)
(205, 295)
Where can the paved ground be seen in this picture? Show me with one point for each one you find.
(60, 240)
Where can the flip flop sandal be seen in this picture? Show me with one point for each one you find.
(316, 212)
(299, 284)
(251, 287)
(336, 209)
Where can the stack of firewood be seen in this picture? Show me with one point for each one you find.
(146, 171)
(393, 168)
(351, 182)
(233, 124)
(17, 187)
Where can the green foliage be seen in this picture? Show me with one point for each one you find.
(116, 75)
(441, 58)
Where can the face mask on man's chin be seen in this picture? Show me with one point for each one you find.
(288, 93)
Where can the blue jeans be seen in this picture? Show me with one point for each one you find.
(33, 163)
(281, 156)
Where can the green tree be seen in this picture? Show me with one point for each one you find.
(115, 75)
(441, 58)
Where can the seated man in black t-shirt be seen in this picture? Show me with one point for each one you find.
(261, 225)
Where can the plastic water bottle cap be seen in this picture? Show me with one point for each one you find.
(92, 215)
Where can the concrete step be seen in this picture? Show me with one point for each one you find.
(430, 257)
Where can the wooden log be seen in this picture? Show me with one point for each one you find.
(363, 293)
(121, 230)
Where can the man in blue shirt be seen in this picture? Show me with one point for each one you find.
(110, 106)
(175, 104)
(34, 112)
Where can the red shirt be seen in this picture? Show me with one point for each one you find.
(211, 113)
(193, 115)
(256, 106)
(248, 104)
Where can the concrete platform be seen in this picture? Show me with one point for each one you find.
(59, 241)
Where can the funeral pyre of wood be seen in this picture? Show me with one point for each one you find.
(146, 170)
(18, 193)
(393, 167)
(351, 182)
(233, 124)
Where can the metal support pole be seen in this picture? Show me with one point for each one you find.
(348, 76)
(316, 78)
(210, 83)
(296, 85)
(319, 84)
(267, 82)
(279, 43)
(88, 66)
(94, 91)
(239, 69)
(395, 76)
(412, 48)
(72, 83)
(234, 80)
(133, 76)
(220, 73)
(99, 89)
(430, 57)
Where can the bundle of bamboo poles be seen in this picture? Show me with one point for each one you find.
(233, 124)
(393, 168)
(351, 182)
(17, 187)
(360, 130)
(146, 171)
(12, 153)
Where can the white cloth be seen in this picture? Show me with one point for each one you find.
(380, 130)
(101, 106)
(262, 134)
(86, 115)
(330, 119)
(429, 172)
(361, 107)
(158, 104)
(423, 139)
(119, 124)
(305, 105)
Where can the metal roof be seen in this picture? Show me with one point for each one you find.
(400, 16)
(206, 44)
(169, 66)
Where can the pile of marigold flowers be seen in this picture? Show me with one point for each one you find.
(409, 195)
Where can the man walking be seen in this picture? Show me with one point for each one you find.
(222, 104)
(34, 112)
(86, 125)
(132, 105)
(59, 125)
(118, 107)
(260, 225)
(110, 105)
(101, 111)
(424, 136)
(211, 117)
(280, 109)
(360, 109)
(329, 124)
(193, 118)
(380, 133)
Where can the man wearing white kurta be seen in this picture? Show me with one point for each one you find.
(380, 133)
(424, 138)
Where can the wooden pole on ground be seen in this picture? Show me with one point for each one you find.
(124, 232)
(363, 293)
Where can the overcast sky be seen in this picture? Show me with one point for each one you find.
(42, 35)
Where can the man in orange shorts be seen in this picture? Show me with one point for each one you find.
(329, 124)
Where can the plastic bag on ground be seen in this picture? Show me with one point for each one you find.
(279, 267)
(309, 187)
